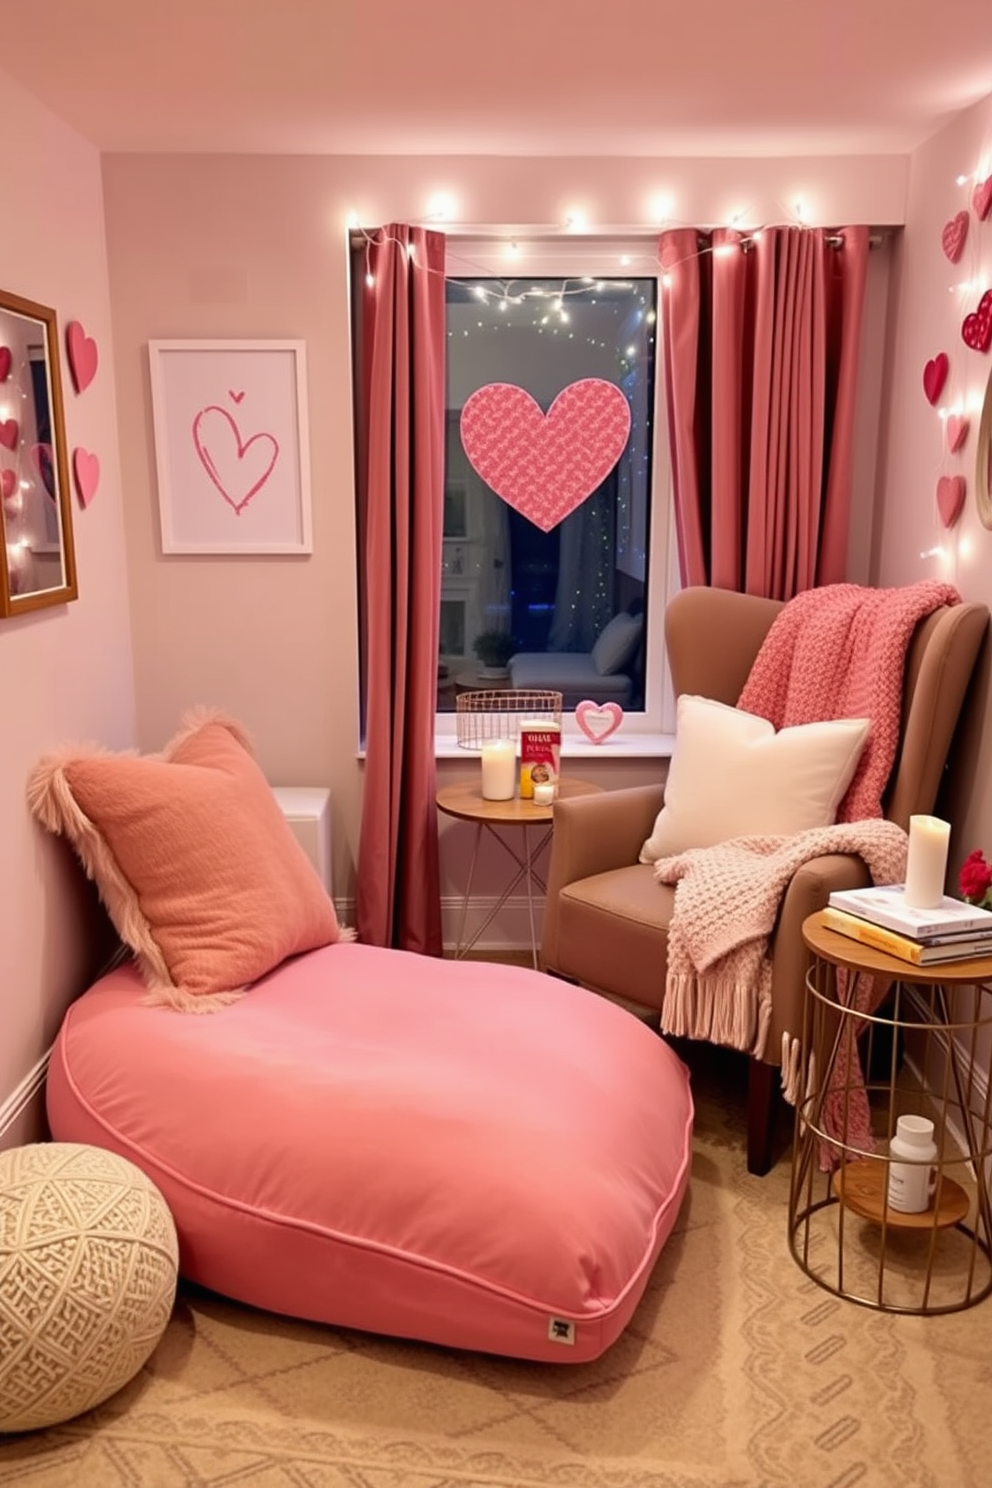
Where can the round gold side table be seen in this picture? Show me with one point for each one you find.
(919, 1052)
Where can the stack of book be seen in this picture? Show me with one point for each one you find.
(881, 918)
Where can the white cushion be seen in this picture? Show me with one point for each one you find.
(732, 775)
(616, 643)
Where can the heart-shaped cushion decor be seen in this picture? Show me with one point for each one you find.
(86, 469)
(935, 375)
(957, 431)
(976, 330)
(981, 199)
(5, 363)
(954, 236)
(83, 356)
(598, 720)
(950, 498)
(545, 465)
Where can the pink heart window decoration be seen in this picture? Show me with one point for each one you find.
(598, 720)
(545, 465)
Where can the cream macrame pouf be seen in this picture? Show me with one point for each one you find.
(88, 1266)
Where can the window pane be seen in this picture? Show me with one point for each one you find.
(548, 595)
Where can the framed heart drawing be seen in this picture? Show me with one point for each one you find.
(231, 446)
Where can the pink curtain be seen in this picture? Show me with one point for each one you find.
(400, 400)
(761, 341)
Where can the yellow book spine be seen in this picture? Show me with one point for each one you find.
(872, 935)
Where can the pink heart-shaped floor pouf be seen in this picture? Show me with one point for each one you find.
(950, 498)
(5, 363)
(545, 465)
(935, 375)
(976, 330)
(598, 720)
(83, 355)
(953, 238)
(86, 469)
(981, 199)
(957, 431)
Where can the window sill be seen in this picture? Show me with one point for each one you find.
(575, 746)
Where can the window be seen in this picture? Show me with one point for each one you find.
(558, 314)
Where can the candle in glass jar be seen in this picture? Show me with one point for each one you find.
(926, 861)
(499, 770)
(544, 792)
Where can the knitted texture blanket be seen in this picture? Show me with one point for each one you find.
(840, 652)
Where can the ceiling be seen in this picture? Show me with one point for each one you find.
(521, 77)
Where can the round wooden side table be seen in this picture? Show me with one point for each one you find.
(463, 799)
(883, 1038)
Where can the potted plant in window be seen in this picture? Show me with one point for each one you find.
(494, 649)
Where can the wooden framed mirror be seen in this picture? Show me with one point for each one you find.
(37, 557)
(983, 461)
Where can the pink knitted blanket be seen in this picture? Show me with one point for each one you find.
(840, 652)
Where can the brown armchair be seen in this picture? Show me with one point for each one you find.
(606, 918)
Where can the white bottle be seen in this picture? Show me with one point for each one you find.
(912, 1154)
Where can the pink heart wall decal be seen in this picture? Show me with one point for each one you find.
(8, 483)
(957, 431)
(83, 355)
(598, 720)
(976, 330)
(954, 236)
(545, 465)
(981, 199)
(9, 434)
(86, 469)
(238, 468)
(5, 363)
(935, 375)
(950, 498)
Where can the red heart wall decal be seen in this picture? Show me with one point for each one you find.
(9, 434)
(953, 237)
(935, 375)
(957, 431)
(8, 483)
(5, 363)
(950, 498)
(237, 468)
(83, 356)
(545, 465)
(976, 330)
(86, 469)
(598, 720)
(981, 199)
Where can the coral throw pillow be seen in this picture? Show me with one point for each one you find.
(194, 860)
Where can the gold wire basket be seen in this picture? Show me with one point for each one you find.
(498, 713)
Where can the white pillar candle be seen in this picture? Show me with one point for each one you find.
(499, 770)
(926, 862)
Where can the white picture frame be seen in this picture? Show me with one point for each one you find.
(232, 446)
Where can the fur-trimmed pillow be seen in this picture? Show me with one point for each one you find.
(195, 862)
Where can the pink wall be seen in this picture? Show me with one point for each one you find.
(911, 542)
(67, 671)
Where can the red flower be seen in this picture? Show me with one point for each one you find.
(975, 878)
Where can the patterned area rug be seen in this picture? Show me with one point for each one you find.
(736, 1372)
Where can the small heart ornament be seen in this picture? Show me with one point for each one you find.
(8, 483)
(981, 199)
(86, 469)
(957, 431)
(10, 433)
(935, 375)
(976, 330)
(83, 356)
(5, 363)
(598, 720)
(950, 498)
(954, 236)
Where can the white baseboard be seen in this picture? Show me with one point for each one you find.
(509, 930)
(22, 1114)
